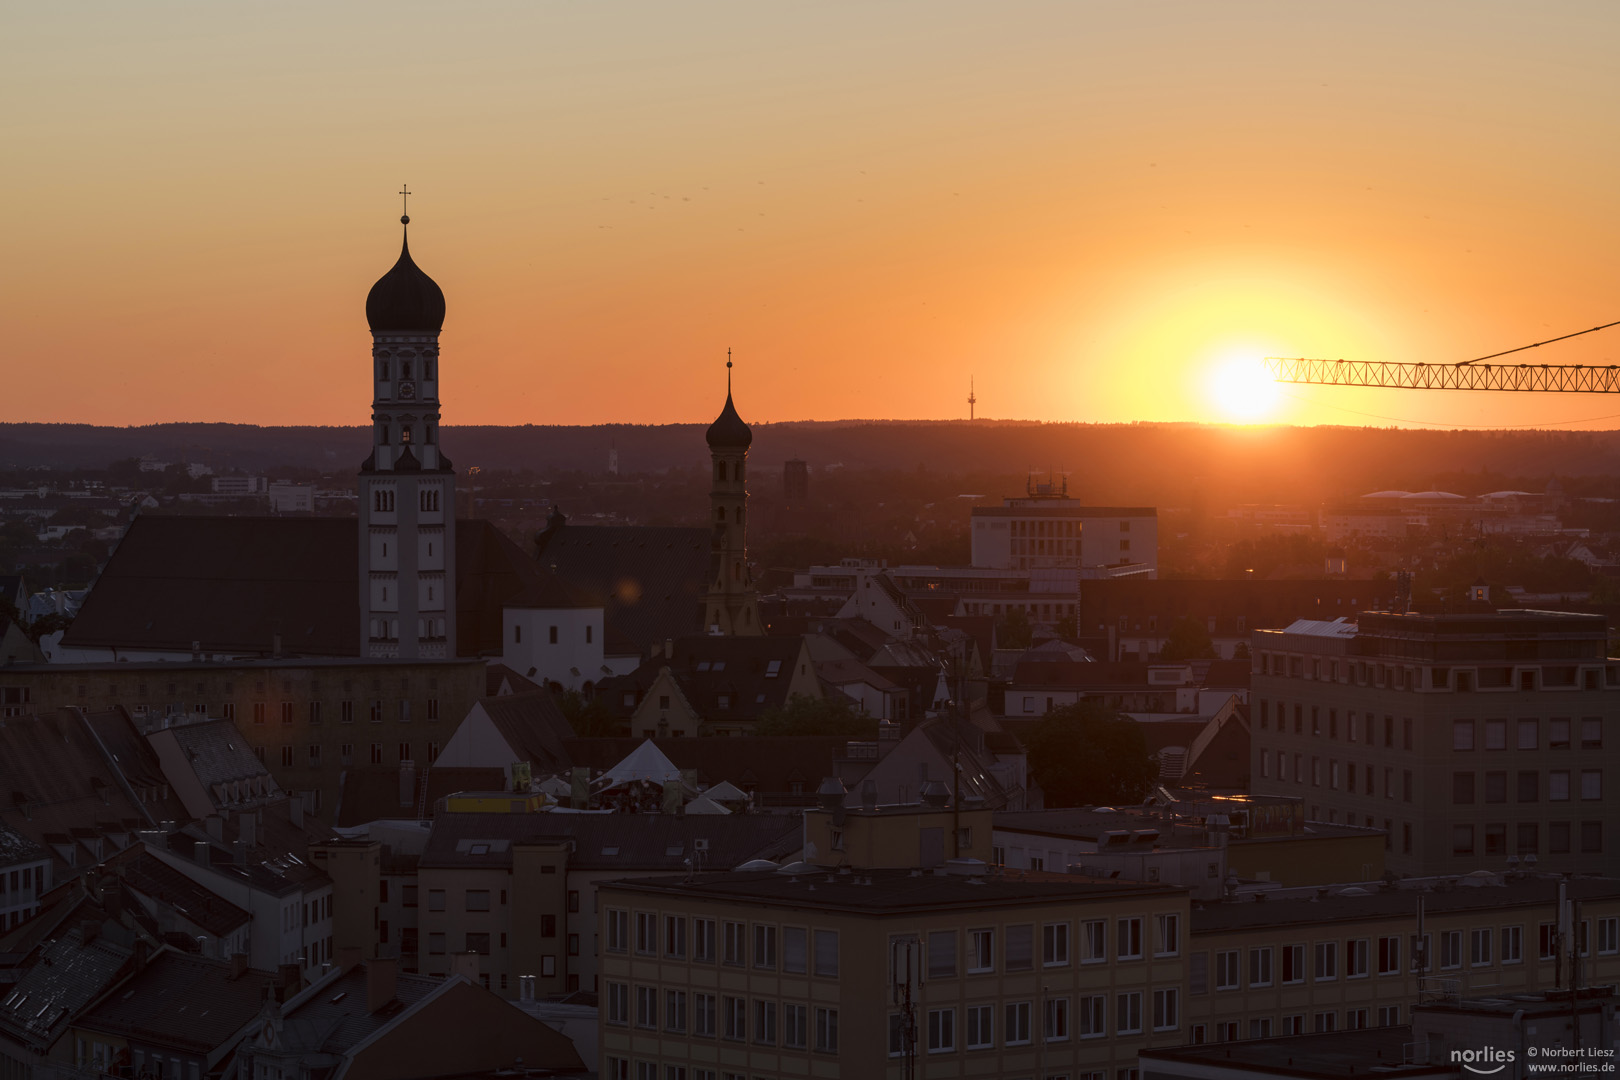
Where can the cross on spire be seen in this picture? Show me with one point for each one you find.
(404, 204)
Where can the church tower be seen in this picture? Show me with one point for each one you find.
(731, 605)
(407, 487)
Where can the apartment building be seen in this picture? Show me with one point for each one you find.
(1473, 740)
(307, 720)
(887, 973)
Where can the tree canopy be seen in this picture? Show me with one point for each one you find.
(1089, 754)
(1014, 631)
(1187, 640)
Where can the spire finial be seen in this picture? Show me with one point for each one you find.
(404, 204)
(728, 371)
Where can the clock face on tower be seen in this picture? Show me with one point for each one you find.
(407, 390)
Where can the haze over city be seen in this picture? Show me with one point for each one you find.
(1101, 213)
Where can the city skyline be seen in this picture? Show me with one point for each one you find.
(1089, 212)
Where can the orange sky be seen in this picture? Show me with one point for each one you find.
(1089, 207)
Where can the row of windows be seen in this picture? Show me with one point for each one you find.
(517, 634)
(1465, 734)
(1261, 1027)
(1400, 677)
(973, 1027)
(1357, 958)
(1493, 838)
(1527, 786)
(1352, 777)
(1018, 942)
(288, 711)
(761, 1021)
(794, 950)
(1527, 734)
(312, 754)
(1325, 724)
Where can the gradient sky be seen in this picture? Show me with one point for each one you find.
(1091, 208)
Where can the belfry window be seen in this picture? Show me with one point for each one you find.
(720, 471)
(382, 434)
(720, 514)
(405, 433)
(430, 431)
(404, 369)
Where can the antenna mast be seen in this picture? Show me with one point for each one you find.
(972, 398)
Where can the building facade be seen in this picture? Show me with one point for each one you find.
(1473, 740)
(1046, 529)
(731, 605)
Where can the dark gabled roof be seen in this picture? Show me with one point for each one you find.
(497, 676)
(629, 842)
(235, 584)
(218, 754)
(534, 727)
(266, 867)
(551, 592)
(15, 848)
(649, 580)
(708, 666)
(768, 764)
(373, 794)
(334, 1018)
(146, 874)
(185, 1002)
(131, 753)
(70, 974)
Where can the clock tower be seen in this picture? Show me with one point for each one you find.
(407, 486)
(731, 604)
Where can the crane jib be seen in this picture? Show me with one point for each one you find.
(1564, 378)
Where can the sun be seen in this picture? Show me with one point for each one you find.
(1242, 388)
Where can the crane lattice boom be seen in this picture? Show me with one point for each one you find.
(1565, 378)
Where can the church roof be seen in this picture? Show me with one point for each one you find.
(728, 432)
(233, 584)
(405, 298)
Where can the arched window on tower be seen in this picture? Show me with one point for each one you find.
(720, 471)
(404, 369)
(720, 514)
(382, 434)
(431, 432)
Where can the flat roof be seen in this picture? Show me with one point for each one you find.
(883, 892)
(1327, 1054)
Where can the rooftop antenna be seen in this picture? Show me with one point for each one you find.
(972, 398)
(404, 204)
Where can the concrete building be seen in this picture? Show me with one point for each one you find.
(1047, 529)
(1475, 741)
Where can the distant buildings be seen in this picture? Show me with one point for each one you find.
(1046, 529)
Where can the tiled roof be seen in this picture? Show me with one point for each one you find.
(335, 1019)
(234, 584)
(534, 727)
(69, 974)
(181, 1001)
(708, 666)
(16, 848)
(650, 580)
(629, 842)
(131, 753)
(497, 676)
(150, 876)
(218, 753)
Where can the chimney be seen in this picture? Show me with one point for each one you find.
(200, 851)
(247, 829)
(295, 809)
(379, 982)
(465, 963)
(348, 957)
(216, 827)
(407, 783)
(238, 965)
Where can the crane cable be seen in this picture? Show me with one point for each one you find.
(1536, 345)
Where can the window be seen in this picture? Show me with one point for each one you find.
(1451, 949)
(1462, 788)
(1020, 948)
(1327, 1021)
(675, 1010)
(1592, 733)
(795, 1026)
(735, 938)
(1558, 733)
(736, 1012)
(1261, 1028)
(618, 929)
(1389, 956)
(1479, 947)
(435, 899)
(1462, 839)
(1512, 944)
(477, 899)
(1389, 1016)
(1293, 963)
(1130, 939)
(941, 1030)
(1496, 787)
(941, 954)
(1166, 1016)
(1529, 786)
(1226, 969)
(703, 1015)
(618, 1003)
(1128, 1013)
(1055, 1019)
(1169, 927)
(286, 756)
(675, 937)
(827, 1030)
(376, 753)
(1608, 935)
(826, 942)
(702, 934)
(646, 1006)
(1356, 958)
(980, 1026)
(795, 947)
(1591, 784)
(765, 947)
(1260, 966)
(981, 951)
(646, 933)
(1462, 734)
(1017, 1026)
(1327, 960)
(1558, 785)
(1529, 734)
(1496, 734)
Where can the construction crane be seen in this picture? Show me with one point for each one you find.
(1468, 375)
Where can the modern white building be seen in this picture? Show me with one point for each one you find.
(1046, 529)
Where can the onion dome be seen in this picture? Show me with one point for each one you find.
(405, 298)
(728, 432)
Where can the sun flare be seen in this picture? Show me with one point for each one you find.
(1242, 388)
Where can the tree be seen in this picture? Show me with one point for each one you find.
(587, 716)
(1187, 640)
(1089, 754)
(1014, 630)
(803, 715)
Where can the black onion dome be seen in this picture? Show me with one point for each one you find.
(405, 298)
(728, 432)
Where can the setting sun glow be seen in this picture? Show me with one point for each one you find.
(1242, 388)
